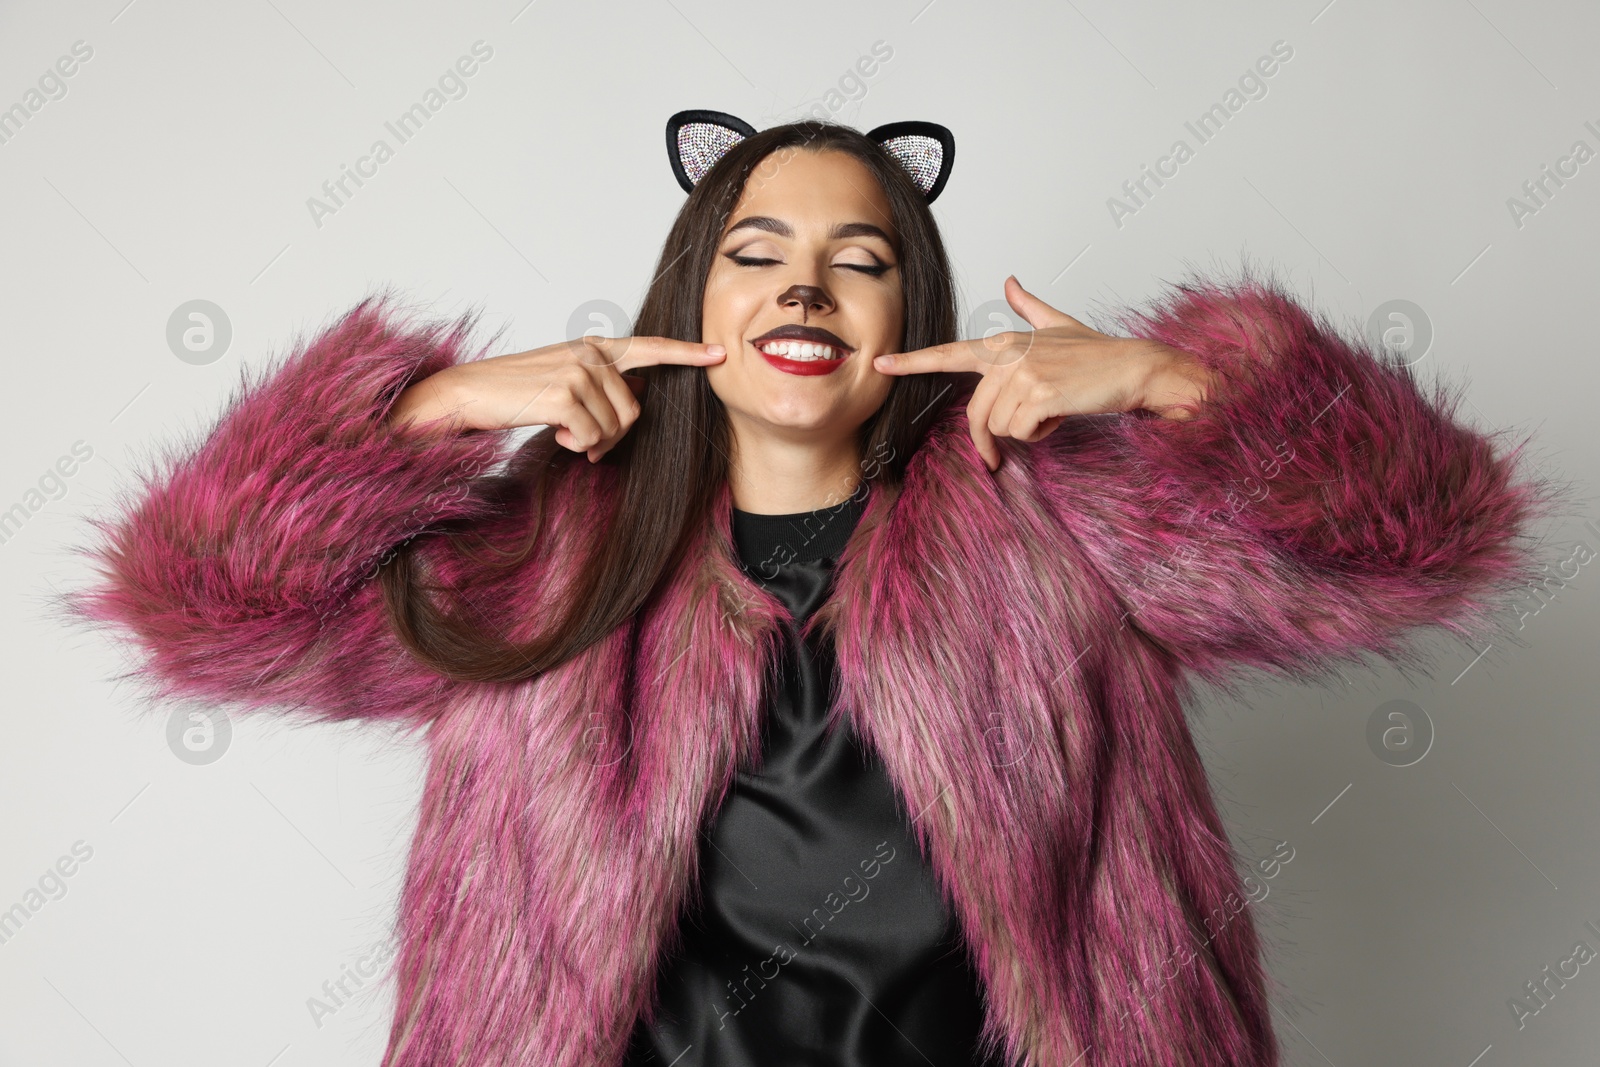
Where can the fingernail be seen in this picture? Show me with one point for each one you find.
(882, 361)
(716, 350)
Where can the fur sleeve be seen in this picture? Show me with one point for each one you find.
(1317, 506)
(243, 566)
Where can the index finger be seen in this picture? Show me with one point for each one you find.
(956, 356)
(625, 353)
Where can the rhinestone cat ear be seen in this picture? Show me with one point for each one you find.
(696, 140)
(925, 149)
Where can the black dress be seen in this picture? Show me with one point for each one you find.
(821, 939)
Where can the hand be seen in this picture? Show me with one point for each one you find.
(1032, 380)
(577, 386)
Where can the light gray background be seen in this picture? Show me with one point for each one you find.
(178, 165)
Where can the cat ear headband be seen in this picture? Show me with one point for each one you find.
(697, 139)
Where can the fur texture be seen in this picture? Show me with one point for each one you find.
(1016, 646)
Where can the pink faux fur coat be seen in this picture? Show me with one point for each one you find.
(1015, 646)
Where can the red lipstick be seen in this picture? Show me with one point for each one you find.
(810, 349)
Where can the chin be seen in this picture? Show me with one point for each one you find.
(794, 411)
(790, 414)
(800, 405)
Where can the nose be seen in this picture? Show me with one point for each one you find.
(809, 298)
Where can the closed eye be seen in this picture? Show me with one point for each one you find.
(754, 261)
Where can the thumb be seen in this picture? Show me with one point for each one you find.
(1037, 313)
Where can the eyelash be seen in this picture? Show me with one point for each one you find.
(752, 261)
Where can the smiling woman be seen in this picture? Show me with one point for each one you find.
(831, 580)
(804, 263)
(691, 401)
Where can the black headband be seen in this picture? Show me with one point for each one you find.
(697, 139)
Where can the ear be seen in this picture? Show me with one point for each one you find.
(697, 139)
(925, 149)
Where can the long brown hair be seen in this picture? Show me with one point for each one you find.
(672, 462)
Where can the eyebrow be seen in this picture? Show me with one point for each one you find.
(783, 229)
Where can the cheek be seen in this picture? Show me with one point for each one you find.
(888, 321)
(727, 309)
(875, 389)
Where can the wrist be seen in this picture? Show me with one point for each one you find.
(1150, 365)
(434, 403)
(1169, 381)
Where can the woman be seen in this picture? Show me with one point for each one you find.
(831, 712)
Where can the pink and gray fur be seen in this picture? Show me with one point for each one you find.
(1015, 645)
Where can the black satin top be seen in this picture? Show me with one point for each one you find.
(820, 939)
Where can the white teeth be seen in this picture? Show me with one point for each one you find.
(798, 350)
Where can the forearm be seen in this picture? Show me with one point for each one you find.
(434, 404)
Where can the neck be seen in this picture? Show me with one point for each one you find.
(783, 475)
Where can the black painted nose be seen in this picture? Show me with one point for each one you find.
(809, 297)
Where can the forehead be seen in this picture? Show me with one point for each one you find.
(813, 190)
